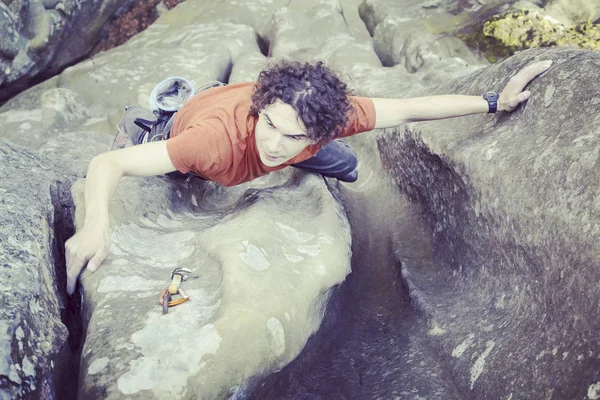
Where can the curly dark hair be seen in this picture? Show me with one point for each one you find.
(314, 91)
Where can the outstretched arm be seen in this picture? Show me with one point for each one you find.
(90, 244)
(392, 112)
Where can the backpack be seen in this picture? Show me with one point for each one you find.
(141, 125)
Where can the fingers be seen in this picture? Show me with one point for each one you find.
(73, 270)
(538, 68)
(513, 93)
(75, 262)
(509, 104)
(96, 261)
(518, 99)
(524, 76)
(521, 97)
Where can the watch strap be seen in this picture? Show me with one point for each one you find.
(492, 98)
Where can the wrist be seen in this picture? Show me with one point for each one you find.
(96, 220)
(493, 99)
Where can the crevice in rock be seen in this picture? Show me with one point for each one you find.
(227, 72)
(67, 370)
(368, 329)
(263, 44)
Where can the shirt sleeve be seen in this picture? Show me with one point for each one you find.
(361, 118)
(199, 149)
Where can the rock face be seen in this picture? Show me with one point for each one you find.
(265, 258)
(34, 353)
(512, 201)
(419, 35)
(472, 274)
(41, 37)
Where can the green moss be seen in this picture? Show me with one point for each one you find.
(493, 49)
(503, 35)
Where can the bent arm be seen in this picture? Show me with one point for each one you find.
(106, 170)
(90, 244)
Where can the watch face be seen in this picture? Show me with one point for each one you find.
(491, 96)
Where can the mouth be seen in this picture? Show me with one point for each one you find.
(270, 157)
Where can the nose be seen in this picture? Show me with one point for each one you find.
(273, 144)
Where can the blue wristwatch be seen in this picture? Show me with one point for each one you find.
(492, 99)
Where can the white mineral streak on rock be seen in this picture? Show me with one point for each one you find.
(594, 391)
(165, 222)
(287, 316)
(98, 365)
(275, 328)
(131, 283)
(311, 250)
(13, 375)
(19, 334)
(477, 367)
(120, 262)
(5, 357)
(254, 257)
(34, 306)
(325, 239)
(293, 258)
(294, 235)
(28, 367)
(165, 365)
(94, 121)
(320, 269)
(460, 349)
(156, 248)
(549, 95)
(14, 116)
(437, 331)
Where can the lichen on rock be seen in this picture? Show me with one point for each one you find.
(527, 29)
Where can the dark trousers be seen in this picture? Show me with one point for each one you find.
(337, 159)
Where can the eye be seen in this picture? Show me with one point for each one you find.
(297, 137)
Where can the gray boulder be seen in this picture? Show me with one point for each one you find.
(268, 318)
(266, 258)
(511, 290)
(41, 37)
(36, 360)
(419, 35)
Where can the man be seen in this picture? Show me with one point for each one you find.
(236, 133)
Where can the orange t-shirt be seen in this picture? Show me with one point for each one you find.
(213, 135)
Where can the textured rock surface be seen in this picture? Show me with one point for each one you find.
(251, 313)
(266, 260)
(33, 340)
(444, 268)
(513, 204)
(41, 37)
(418, 35)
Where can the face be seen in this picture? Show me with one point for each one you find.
(280, 135)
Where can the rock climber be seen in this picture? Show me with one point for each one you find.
(293, 115)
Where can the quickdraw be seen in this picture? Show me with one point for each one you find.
(166, 297)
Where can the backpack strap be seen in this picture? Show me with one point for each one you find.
(145, 124)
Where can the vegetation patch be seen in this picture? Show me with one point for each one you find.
(503, 35)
